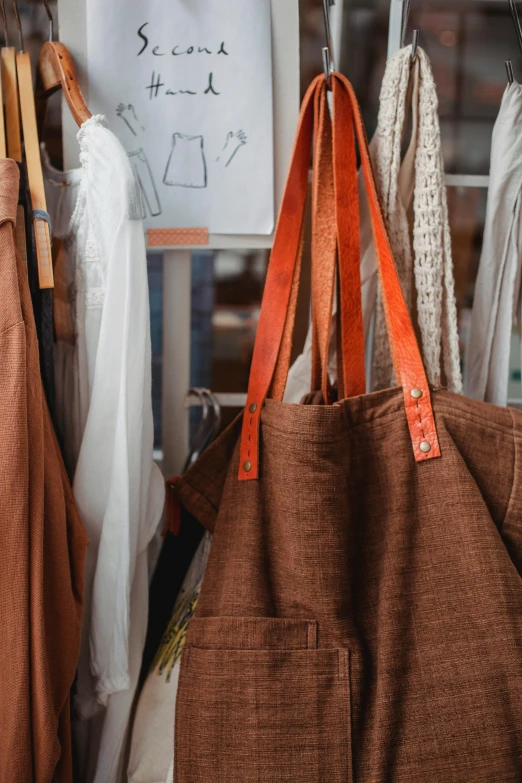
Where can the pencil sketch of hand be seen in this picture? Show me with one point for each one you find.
(127, 112)
(234, 142)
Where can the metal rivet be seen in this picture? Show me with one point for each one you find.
(416, 393)
(425, 446)
(247, 466)
(253, 407)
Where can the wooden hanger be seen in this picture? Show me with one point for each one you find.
(12, 113)
(55, 69)
(33, 162)
(12, 121)
(3, 146)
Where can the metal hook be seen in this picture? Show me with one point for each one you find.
(327, 51)
(414, 45)
(51, 22)
(4, 19)
(518, 31)
(209, 424)
(516, 22)
(196, 446)
(415, 34)
(215, 423)
(19, 25)
(405, 19)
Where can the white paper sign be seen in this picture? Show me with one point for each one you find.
(186, 85)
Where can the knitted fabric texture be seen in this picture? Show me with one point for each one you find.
(429, 262)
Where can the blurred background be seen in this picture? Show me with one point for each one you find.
(467, 42)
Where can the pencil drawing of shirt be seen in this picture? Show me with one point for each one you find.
(186, 166)
(149, 194)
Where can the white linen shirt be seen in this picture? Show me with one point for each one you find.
(497, 298)
(104, 413)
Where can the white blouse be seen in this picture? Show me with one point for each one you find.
(104, 413)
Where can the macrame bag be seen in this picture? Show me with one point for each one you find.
(360, 617)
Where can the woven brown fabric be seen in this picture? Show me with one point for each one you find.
(42, 543)
(412, 573)
(361, 615)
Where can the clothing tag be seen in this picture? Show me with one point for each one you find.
(167, 237)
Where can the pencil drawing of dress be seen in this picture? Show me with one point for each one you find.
(186, 166)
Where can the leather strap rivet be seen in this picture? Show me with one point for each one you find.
(416, 393)
(425, 447)
(252, 408)
(247, 466)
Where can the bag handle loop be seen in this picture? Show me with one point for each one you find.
(324, 248)
(282, 280)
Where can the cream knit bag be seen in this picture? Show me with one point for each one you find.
(429, 261)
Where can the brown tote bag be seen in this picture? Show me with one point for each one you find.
(361, 615)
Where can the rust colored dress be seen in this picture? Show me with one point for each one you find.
(42, 542)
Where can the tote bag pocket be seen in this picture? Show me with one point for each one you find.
(270, 714)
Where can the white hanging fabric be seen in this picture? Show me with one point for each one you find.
(426, 261)
(496, 304)
(104, 404)
(152, 746)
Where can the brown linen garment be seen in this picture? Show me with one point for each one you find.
(361, 614)
(42, 542)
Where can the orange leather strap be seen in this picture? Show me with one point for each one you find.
(341, 388)
(336, 230)
(323, 253)
(277, 388)
(350, 315)
(406, 356)
(278, 383)
(278, 286)
(324, 243)
(282, 277)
